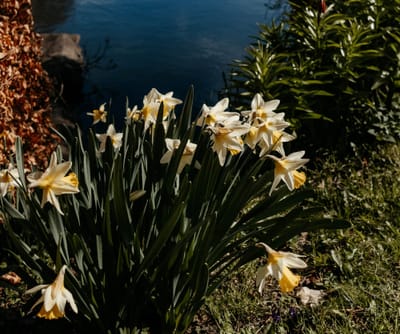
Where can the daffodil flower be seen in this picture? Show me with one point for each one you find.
(286, 170)
(276, 144)
(54, 182)
(278, 267)
(8, 179)
(116, 138)
(151, 105)
(264, 133)
(99, 114)
(133, 114)
(54, 298)
(149, 112)
(262, 110)
(226, 136)
(167, 100)
(187, 155)
(215, 114)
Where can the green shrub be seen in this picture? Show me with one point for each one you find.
(149, 232)
(336, 72)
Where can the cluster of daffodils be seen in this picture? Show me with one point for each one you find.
(261, 129)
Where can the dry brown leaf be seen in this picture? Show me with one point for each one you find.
(11, 277)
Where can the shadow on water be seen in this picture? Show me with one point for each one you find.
(50, 13)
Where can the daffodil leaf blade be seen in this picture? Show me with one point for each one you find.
(19, 156)
(184, 119)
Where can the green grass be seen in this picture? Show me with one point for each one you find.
(357, 268)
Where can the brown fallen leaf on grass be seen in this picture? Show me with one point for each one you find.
(11, 278)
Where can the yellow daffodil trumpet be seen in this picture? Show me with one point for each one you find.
(278, 267)
(54, 298)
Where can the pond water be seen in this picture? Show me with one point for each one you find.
(167, 44)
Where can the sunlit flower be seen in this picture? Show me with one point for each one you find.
(116, 138)
(278, 267)
(286, 170)
(266, 126)
(264, 133)
(54, 298)
(149, 112)
(167, 100)
(151, 104)
(262, 110)
(9, 179)
(187, 155)
(133, 114)
(276, 144)
(99, 114)
(54, 182)
(217, 113)
(226, 136)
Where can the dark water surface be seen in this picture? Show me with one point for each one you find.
(155, 43)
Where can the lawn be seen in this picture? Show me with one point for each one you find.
(357, 269)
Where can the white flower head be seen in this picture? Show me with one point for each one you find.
(151, 105)
(216, 114)
(278, 267)
(9, 179)
(286, 170)
(133, 113)
(116, 138)
(54, 298)
(227, 136)
(54, 181)
(187, 155)
(167, 100)
(263, 109)
(99, 114)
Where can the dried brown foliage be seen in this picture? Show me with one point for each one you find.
(25, 88)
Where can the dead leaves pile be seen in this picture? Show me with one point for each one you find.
(25, 89)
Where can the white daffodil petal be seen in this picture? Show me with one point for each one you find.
(36, 288)
(294, 262)
(70, 300)
(49, 302)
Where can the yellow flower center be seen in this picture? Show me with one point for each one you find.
(280, 167)
(72, 179)
(299, 179)
(274, 257)
(54, 313)
(289, 280)
(253, 132)
(261, 113)
(146, 111)
(210, 119)
(234, 152)
(99, 114)
(5, 177)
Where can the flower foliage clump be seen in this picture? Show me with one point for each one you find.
(25, 88)
(153, 217)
